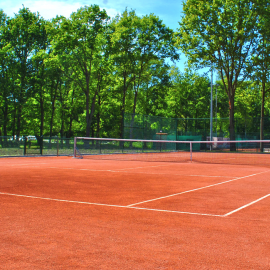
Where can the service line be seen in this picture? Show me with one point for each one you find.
(108, 205)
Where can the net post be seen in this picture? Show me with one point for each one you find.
(75, 145)
(190, 146)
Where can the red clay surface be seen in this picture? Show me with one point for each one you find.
(64, 213)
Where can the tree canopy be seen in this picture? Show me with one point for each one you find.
(80, 75)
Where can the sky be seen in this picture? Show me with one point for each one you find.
(169, 11)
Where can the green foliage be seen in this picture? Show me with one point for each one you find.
(79, 75)
(189, 96)
(221, 35)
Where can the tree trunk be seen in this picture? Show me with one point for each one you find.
(262, 117)
(123, 108)
(232, 128)
(19, 115)
(14, 120)
(62, 126)
(70, 127)
(90, 115)
(87, 93)
(41, 116)
(87, 133)
(5, 112)
(52, 116)
(98, 119)
(133, 116)
(53, 96)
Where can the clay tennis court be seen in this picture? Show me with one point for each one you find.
(66, 213)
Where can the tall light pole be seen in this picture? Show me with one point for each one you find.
(215, 87)
(211, 110)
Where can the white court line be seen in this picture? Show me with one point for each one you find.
(121, 170)
(196, 189)
(109, 205)
(145, 167)
(244, 206)
(26, 164)
(221, 176)
(157, 173)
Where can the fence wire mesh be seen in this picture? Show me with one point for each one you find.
(34, 145)
(154, 127)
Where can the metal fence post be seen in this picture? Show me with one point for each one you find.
(75, 145)
(24, 148)
(57, 145)
(190, 150)
(41, 145)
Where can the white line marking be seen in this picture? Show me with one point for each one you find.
(209, 176)
(157, 173)
(144, 167)
(171, 211)
(121, 170)
(196, 189)
(244, 206)
(109, 205)
(26, 164)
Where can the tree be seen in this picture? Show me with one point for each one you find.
(138, 43)
(39, 73)
(77, 41)
(54, 80)
(5, 72)
(189, 95)
(261, 60)
(223, 35)
(154, 89)
(123, 43)
(23, 36)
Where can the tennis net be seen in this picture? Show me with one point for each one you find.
(254, 152)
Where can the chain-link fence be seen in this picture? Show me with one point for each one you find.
(149, 127)
(35, 146)
(154, 127)
(145, 127)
